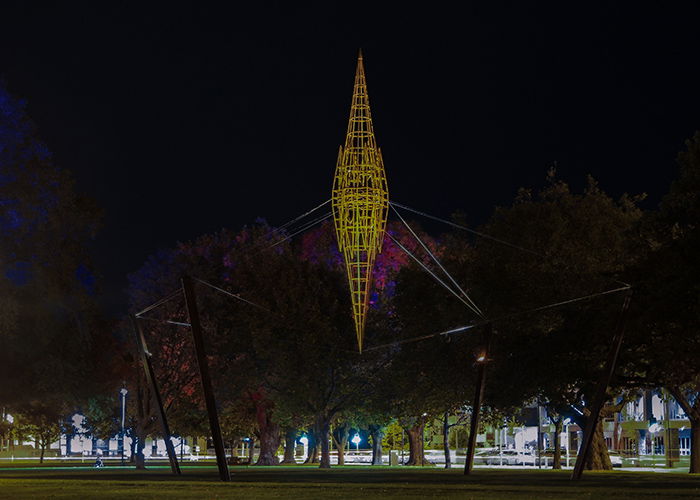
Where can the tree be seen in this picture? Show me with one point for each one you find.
(293, 314)
(428, 378)
(310, 328)
(666, 336)
(341, 434)
(48, 343)
(560, 246)
(45, 421)
(171, 346)
(101, 417)
(447, 422)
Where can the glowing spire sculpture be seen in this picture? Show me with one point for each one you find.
(360, 201)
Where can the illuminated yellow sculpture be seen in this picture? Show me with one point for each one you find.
(360, 201)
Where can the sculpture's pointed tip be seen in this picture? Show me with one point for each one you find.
(360, 64)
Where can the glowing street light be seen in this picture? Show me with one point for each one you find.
(305, 442)
(356, 439)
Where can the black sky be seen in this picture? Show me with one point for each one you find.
(181, 119)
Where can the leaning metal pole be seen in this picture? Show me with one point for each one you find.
(600, 395)
(193, 312)
(153, 385)
(478, 397)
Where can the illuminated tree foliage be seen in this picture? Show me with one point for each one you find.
(286, 358)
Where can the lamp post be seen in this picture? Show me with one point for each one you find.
(305, 442)
(356, 439)
(123, 394)
(568, 439)
(422, 441)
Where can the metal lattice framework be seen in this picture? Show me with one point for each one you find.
(360, 201)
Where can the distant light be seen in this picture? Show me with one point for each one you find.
(481, 358)
(425, 414)
(356, 439)
(123, 392)
(9, 418)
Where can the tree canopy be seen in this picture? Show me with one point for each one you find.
(48, 314)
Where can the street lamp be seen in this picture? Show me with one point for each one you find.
(305, 442)
(356, 439)
(123, 394)
(422, 440)
(566, 431)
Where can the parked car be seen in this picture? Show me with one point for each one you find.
(482, 455)
(510, 457)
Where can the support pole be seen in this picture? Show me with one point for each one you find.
(153, 385)
(478, 397)
(193, 312)
(600, 396)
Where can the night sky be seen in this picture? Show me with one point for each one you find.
(181, 119)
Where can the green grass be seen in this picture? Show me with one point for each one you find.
(340, 482)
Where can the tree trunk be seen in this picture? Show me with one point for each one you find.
(290, 441)
(312, 446)
(43, 451)
(377, 433)
(235, 443)
(269, 443)
(139, 459)
(415, 444)
(340, 438)
(598, 457)
(556, 458)
(132, 445)
(694, 445)
(251, 450)
(324, 426)
(693, 413)
(268, 433)
(446, 439)
(316, 454)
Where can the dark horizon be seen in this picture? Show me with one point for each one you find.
(181, 120)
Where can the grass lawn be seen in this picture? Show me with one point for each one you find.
(340, 482)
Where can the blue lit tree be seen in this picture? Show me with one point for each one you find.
(47, 285)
